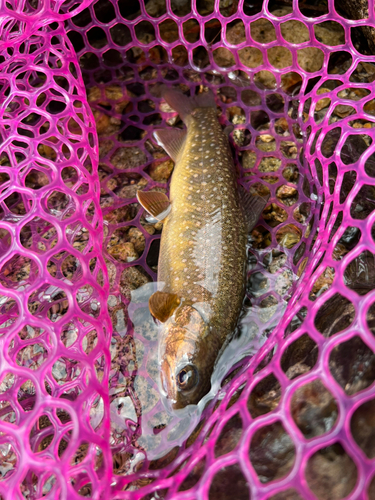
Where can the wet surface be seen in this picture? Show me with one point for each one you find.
(304, 346)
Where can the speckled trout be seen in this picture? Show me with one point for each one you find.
(202, 262)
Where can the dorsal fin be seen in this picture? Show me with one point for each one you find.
(172, 140)
(156, 204)
(253, 205)
(163, 304)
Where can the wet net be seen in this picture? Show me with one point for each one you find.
(80, 413)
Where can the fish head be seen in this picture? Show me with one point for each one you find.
(187, 355)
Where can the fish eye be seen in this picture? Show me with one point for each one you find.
(187, 378)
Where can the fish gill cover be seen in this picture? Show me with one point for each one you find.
(80, 414)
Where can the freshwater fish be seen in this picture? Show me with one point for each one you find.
(202, 261)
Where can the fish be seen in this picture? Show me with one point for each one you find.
(202, 262)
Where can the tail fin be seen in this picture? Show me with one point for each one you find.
(184, 105)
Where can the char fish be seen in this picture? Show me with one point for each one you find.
(202, 262)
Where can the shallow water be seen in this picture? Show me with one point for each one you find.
(161, 428)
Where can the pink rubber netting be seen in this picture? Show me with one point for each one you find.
(64, 379)
(54, 395)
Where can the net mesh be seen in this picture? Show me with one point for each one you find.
(80, 413)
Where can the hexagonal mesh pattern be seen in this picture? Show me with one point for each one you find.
(294, 420)
(54, 324)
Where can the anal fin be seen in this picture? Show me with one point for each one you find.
(156, 204)
(253, 205)
(172, 140)
(163, 304)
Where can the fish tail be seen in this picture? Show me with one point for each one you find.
(185, 105)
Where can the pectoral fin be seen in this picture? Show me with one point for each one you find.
(156, 204)
(172, 140)
(253, 205)
(162, 305)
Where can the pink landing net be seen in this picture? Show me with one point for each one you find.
(295, 420)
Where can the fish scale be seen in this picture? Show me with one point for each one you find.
(203, 245)
(201, 270)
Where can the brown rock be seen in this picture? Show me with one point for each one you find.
(358, 9)
(287, 195)
(266, 143)
(289, 494)
(362, 426)
(169, 31)
(271, 179)
(294, 31)
(331, 473)
(132, 278)
(229, 436)
(322, 103)
(274, 215)
(310, 59)
(117, 215)
(281, 126)
(105, 147)
(325, 280)
(47, 152)
(252, 57)
(137, 239)
(269, 164)
(249, 159)
(111, 93)
(161, 171)
(263, 31)
(300, 356)
(343, 111)
(130, 190)
(265, 396)
(260, 237)
(123, 252)
(270, 466)
(288, 149)
(336, 314)
(288, 235)
(352, 364)
(274, 261)
(102, 122)
(229, 482)
(330, 33)
(291, 173)
(314, 409)
(128, 157)
(280, 57)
